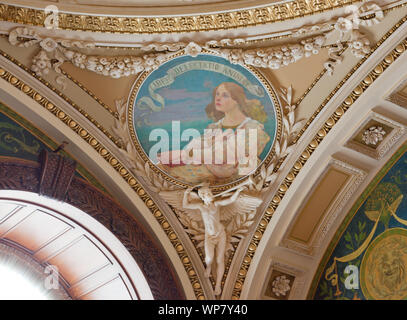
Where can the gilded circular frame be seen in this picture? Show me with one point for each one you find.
(216, 187)
(383, 251)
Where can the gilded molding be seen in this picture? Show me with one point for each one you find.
(54, 52)
(295, 33)
(356, 177)
(305, 155)
(342, 82)
(91, 94)
(79, 84)
(174, 24)
(64, 97)
(397, 130)
(281, 137)
(289, 178)
(251, 42)
(119, 167)
(340, 53)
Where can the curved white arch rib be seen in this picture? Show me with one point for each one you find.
(90, 260)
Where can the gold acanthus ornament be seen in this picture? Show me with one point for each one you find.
(169, 23)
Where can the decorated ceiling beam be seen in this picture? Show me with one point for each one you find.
(344, 31)
(165, 23)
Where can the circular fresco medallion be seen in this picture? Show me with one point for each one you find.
(383, 269)
(202, 119)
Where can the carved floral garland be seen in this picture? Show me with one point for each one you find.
(54, 52)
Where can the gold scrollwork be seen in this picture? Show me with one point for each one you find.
(190, 23)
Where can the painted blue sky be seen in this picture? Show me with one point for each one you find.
(187, 97)
(184, 103)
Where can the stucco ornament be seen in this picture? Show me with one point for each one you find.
(48, 44)
(53, 52)
(369, 9)
(280, 286)
(193, 49)
(373, 135)
(350, 35)
(274, 57)
(41, 64)
(359, 44)
(343, 25)
(215, 220)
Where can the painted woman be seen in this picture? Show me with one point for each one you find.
(225, 150)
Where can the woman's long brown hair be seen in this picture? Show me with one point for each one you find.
(251, 108)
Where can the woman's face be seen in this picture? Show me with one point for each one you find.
(223, 100)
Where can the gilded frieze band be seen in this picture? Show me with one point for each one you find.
(170, 24)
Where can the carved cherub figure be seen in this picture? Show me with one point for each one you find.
(215, 234)
(202, 207)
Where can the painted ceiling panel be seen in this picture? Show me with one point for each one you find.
(372, 239)
(317, 204)
(20, 139)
